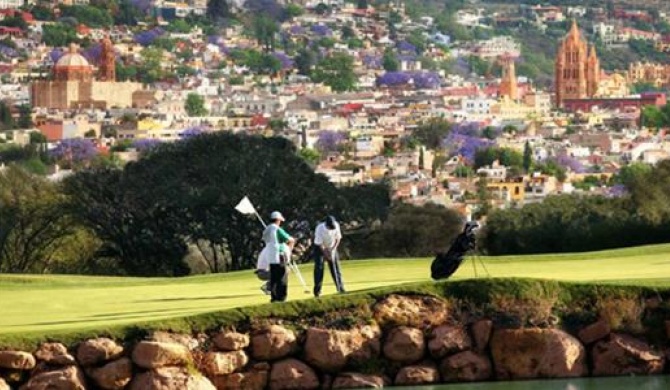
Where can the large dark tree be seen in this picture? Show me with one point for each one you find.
(32, 221)
(185, 193)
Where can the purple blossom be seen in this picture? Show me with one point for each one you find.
(471, 129)
(191, 132)
(146, 38)
(296, 30)
(406, 47)
(394, 79)
(142, 5)
(372, 61)
(215, 39)
(329, 141)
(8, 51)
(322, 30)
(144, 145)
(426, 80)
(420, 80)
(570, 163)
(465, 145)
(616, 191)
(286, 61)
(74, 150)
(93, 53)
(55, 55)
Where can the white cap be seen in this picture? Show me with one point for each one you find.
(276, 215)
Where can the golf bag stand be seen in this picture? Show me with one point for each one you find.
(474, 257)
(445, 264)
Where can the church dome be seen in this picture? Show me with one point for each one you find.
(72, 59)
(73, 67)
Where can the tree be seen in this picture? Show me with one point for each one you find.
(218, 9)
(389, 61)
(305, 61)
(432, 133)
(127, 15)
(25, 116)
(58, 34)
(336, 71)
(527, 157)
(88, 15)
(6, 118)
(294, 10)
(195, 105)
(483, 197)
(32, 221)
(151, 69)
(505, 156)
(409, 231)
(264, 30)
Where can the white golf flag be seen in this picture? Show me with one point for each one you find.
(245, 206)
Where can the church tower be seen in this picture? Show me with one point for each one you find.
(577, 70)
(508, 84)
(107, 69)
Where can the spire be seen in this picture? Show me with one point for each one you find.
(574, 30)
(592, 52)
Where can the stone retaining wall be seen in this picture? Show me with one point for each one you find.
(412, 342)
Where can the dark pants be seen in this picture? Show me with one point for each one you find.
(333, 266)
(278, 282)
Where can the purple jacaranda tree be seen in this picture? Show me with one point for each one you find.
(145, 145)
(420, 80)
(142, 5)
(616, 191)
(56, 54)
(426, 80)
(471, 129)
(146, 38)
(569, 163)
(372, 61)
(191, 132)
(394, 79)
(93, 53)
(9, 52)
(464, 145)
(321, 30)
(296, 30)
(406, 47)
(329, 141)
(74, 151)
(286, 61)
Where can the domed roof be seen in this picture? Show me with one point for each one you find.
(72, 59)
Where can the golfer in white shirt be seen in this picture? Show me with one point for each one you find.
(327, 237)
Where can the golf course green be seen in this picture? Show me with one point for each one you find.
(57, 303)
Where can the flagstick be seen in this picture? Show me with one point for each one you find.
(260, 219)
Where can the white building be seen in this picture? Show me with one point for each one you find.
(5, 4)
(498, 46)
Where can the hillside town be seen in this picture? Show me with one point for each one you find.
(367, 92)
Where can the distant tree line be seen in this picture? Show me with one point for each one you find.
(636, 211)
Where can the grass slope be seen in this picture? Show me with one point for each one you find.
(58, 304)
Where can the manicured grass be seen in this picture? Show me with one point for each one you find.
(33, 304)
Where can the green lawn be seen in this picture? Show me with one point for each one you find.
(61, 303)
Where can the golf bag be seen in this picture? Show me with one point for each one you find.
(445, 264)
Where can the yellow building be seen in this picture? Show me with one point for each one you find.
(507, 190)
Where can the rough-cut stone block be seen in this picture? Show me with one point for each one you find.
(625, 355)
(292, 374)
(466, 366)
(152, 354)
(17, 360)
(96, 351)
(405, 344)
(594, 332)
(537, 353)
(231, 341)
